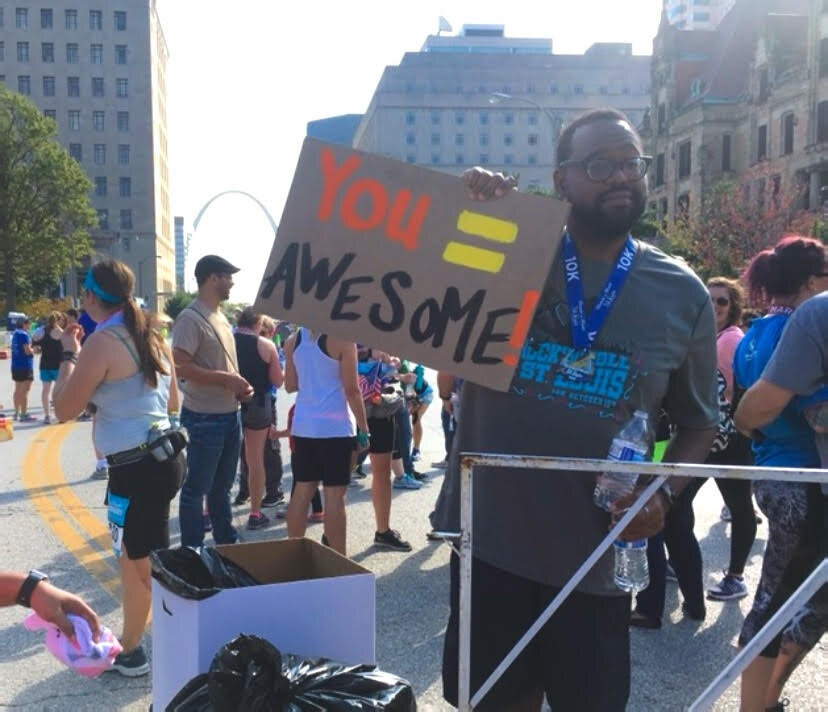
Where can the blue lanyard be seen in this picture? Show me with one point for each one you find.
(586, 327)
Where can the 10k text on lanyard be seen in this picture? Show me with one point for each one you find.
(585, 328)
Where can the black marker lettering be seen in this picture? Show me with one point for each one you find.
(343, 298)
(285, 271)
(318, 274)
(397, 307)
(488, 336)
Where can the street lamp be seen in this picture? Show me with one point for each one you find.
(496, 97)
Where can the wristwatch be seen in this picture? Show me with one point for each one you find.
(24, 595)
(668, 493)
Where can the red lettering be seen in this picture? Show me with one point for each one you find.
(410, 233)
(379, 204)
(333, 177)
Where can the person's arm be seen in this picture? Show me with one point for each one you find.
(233, 382)
(50, 603)
(271, 356)
(445, 387)
(291, 379)
(79, 375)
(350, 379)
(761, 404)
(27, 347)
(174, 400)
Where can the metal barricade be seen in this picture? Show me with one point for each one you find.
(659, 472)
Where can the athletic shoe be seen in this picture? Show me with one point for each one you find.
(779, 706)
(16, 416)
(358, 473)
(100, 473)
(419, 476)
(696, 615)
(258, 521)
(407, 482)
(281, 509)
(415, 455)
(84, 416)
(440, 464)
(315, 517)
(729, 588)
(640, 620)
(670, 574)
(725, 515)
(391, 540)
(273, 500)
(133, 663)
(47, 420)
(26, 418)
(325, 541)
(206, 522)
(241, 499)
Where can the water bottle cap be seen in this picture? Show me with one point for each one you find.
(638, 544)
(641, 414)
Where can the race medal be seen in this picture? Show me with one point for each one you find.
(579, 364)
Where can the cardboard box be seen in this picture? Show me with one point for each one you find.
(312, 602)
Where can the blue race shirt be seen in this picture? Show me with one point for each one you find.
(789, 440)
(20, 360)
(88, 324)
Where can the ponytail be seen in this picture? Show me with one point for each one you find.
(147, 342)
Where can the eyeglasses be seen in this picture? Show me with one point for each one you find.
(600, 169)
(722, 301)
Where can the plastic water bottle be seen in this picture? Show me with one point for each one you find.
(630, 445)
(632, 573)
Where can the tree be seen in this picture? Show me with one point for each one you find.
(736, 220)
(45, 215)
(177, 302)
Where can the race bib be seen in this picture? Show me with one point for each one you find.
(116, 516)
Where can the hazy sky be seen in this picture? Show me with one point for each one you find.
(245, 77)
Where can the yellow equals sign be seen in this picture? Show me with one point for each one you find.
(488, 228)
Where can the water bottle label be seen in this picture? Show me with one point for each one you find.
(638, 544)
(625, 453)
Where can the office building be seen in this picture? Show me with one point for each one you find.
(748, 100)
(98, 69)
(696, 14)
(482, 98)
(335, 129)
(182, 249)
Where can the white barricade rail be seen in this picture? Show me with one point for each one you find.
(659, 472)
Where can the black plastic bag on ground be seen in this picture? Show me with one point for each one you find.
(197, 575)
(250, 674)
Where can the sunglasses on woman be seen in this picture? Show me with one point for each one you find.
(721, 301)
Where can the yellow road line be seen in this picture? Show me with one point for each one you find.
(42, 478)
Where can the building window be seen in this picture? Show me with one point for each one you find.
(122, 88)
(533, 119)
(123, 154)
(530, 88)
(100, 186)
(100, 154)
(98, 120)
(2, 51)
(508, 140)
(823, 57)
(484, 159)
(787, 134)
(484, 139)
(578, 89)
(410, 138)
(1, 17)
(764, 87)
(96, 53)
(484, 118)
(603, 90)
(532, 159)
(459, 159)
(103, 219)
(508, 159)
(50, 114)
(73, 86)
(76, 151)
(125, 184)
(553, 88)
(71, 53)
(123, 121)
(74, 120)
(435, 118)
(120, 54)
(120, 21)
(47, 52)
(95, 20)
(71, 19)
(683, 204)
(46, 19)
(410, 117)
(409, 158)
(126, 219)
(22, 51)
(822, 121)
(459, 139)
(97, 86)
(685, 159)
(435, 139)
(459, 118)
(762, 142)
(21, 18)
(726, 152)
(533, 139)
(659, 170)
(508, 118)
(24, 85)
(48, 86)
(435, 159)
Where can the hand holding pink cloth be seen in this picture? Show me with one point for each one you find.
(86, 656)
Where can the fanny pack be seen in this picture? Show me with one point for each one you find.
(163, 445)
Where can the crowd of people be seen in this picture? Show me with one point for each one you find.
(717, 387)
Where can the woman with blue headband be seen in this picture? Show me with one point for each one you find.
(126, 370)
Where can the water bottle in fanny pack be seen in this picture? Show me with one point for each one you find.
(164, 445)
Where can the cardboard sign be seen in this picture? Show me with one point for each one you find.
(397, 257)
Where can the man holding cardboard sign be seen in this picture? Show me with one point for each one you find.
(620, 327)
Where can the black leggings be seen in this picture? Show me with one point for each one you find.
(737, 496)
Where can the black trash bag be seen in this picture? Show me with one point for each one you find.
(197, 576)
(250, 674)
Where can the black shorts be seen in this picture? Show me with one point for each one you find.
(146, 487)
(382, 435)
(21, 375)
(257, 413)
(325, 460)
(580, 658)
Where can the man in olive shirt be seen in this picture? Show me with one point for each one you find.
(205, 359)
(583, 372)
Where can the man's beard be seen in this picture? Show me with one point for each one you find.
(609, 223)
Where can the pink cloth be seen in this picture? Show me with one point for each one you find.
(86, 656)
(726, 343)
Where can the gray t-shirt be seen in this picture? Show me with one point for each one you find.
(657, 347)
(800, 361)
